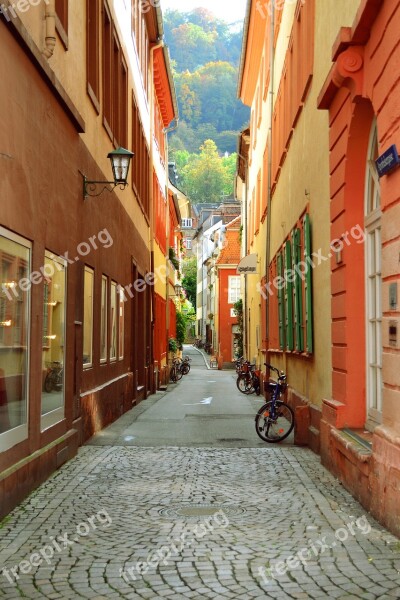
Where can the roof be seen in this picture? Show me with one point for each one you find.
(235, 224)
(230, 254)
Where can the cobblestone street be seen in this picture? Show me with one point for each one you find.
(128, 520)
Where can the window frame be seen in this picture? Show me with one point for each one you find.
(18, 434)
(232, 289)
(89, 364)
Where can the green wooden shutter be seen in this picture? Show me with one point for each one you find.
(289, 297)
(281, 304)
(298, 292)
(308, 284)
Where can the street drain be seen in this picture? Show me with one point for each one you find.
(200, 510)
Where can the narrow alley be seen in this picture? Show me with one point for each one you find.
(180, 499)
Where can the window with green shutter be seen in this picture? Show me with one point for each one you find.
(281, 304)
(308, 283)
(298, 292)
(288, 297)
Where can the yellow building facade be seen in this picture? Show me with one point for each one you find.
(284, 187)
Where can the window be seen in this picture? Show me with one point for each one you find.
(188, 243)
(234, 289)
(141, 164)
(107, 70)
(15, 258)
(88, 317)
(187, 223)
(121, 326)
(62, 20)
(141, 39)
(103, 319)
(92, 52)
(373, 269)
(293, 312)
(113, 315)
(53, 344)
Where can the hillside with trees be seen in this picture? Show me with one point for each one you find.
(205, 53)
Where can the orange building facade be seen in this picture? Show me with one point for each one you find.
(362, 95)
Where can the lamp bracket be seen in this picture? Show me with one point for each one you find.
(90, 188)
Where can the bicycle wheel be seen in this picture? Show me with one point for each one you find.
(172, 374)
(274, 430)
(185, 368)
(179, 373)
(244, 383)
(48, 382)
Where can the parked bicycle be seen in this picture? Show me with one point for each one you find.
(248, 380)
(179, 368)
(275, 419)
(198, 343)
(54, 378)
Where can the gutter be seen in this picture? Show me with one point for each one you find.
(244, 45)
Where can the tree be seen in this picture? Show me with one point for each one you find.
(204, 177)
(189, 281)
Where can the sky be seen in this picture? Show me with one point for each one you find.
(229, 10)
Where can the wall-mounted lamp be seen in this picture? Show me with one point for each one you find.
(120, 163)
(6, 323)
(178, 289)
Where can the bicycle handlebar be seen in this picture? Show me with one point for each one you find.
(280, 373)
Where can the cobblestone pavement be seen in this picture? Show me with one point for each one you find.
(179, 522)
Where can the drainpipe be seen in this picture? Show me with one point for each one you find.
(159, 44)
(50, 29)
(270, 129)
(244, 213)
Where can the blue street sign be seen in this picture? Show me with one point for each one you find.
(388, 161)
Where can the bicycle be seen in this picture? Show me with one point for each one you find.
(54, 377)
(248, 380)
(275, 419)
(179, 368)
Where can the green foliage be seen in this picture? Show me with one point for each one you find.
(172, 345)
(206, 53)
(180, 328)
(238, 310)
(189, 281)
(173, 259)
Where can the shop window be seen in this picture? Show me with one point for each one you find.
(88, 317)
(15, 258)
(103, 319)
(121, 326)
(113, 321)
(53, 340)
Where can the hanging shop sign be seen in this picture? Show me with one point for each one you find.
(248, 265)
(388, 161)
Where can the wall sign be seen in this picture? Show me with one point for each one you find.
(388, 161)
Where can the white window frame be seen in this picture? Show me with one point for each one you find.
(55, 416)
(114, 293)
(187, 223)
(234, 292)
(104, 318)
(89, 364)
(373, 290)
(18, 434)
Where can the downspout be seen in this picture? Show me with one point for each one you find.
(160, 44)
(50, 29)
(270, 129)
(245, 328)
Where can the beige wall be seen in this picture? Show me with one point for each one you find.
(304, 178)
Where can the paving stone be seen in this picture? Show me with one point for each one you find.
(273, 502)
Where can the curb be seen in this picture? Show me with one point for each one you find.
(204, 358)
